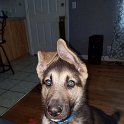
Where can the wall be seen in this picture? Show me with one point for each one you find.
(91, 17)
(13, 8)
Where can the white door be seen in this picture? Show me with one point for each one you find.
(43, 23)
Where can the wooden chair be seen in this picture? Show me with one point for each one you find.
(5, 67)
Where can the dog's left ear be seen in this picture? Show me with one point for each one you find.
(68, 55)
(44, 60)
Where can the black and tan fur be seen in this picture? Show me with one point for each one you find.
(60, 68)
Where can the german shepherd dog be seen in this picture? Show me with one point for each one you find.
(63, 78)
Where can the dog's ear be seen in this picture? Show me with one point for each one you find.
(68, 55)
(44, 60)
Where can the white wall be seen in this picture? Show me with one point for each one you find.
(13, 8)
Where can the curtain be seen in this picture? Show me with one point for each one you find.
(117, 46)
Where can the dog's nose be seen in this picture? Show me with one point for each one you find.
(54, 110)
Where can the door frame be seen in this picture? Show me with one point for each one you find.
(28, 28)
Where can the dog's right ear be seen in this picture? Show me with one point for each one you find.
(68, 55)
(44, 60)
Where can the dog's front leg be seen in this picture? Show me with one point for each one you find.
(79, 122)
(76, 120)
(45, 120)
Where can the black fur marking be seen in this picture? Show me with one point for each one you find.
(60, 65)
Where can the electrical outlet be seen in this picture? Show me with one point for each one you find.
(73, 5)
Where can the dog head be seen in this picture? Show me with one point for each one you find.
(63, 76)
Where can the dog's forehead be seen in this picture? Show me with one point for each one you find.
(61, 68)
(63, 74)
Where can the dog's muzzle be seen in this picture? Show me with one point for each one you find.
(54, 111)
(57, 110)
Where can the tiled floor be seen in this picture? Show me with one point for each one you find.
(14, 87)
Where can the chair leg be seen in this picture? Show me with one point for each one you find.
(1, 63)
(9, 64)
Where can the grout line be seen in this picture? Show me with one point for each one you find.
(6, 90)
(4, 107)
(15, 102)
(10, 89)
(19, 79)
(3, 92)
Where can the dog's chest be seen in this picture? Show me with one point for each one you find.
(68, 123)
(73, 121)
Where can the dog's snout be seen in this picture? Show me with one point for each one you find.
(54, 110)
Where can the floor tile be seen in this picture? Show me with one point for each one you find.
(2, 91)
(24, 87)
(3, 110)
(10, 98)
(31, 68)
(8, 83)
(19, 75)
(1, 79)
(32, 77)
(14, 87)
(6, 74)
(19, 67)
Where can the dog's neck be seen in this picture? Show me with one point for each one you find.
(78, 119)
(66, 120)
(45, 120)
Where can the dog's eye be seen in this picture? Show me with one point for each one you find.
(48, 82)
(70, 84)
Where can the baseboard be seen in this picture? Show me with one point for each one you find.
(104, 58)
(84, 56)
(107, 58)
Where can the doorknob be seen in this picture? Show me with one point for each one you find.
(62, 4)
